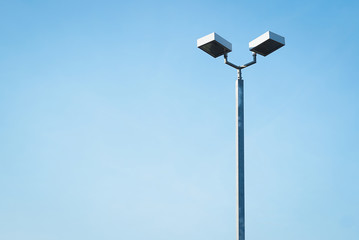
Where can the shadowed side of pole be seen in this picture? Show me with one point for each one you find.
(240, 156)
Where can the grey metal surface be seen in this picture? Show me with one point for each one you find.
(240, 210)
(266, 43)
(240, 156)
(214, 45)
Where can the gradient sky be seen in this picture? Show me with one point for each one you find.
(115, 126)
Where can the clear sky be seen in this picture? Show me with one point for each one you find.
(115, 126)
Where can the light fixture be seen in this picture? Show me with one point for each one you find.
(266, 43)
(214, 45)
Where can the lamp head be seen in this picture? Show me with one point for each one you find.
(266, 43)
(214, 45)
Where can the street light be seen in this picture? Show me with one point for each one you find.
(216, 46)
(266, 43)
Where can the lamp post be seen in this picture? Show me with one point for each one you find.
(216, 46)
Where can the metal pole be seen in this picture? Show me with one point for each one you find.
(240, 155)
(240, 144)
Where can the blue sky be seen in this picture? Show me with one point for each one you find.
(115, 126)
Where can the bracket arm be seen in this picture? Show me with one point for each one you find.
(229, 63)
(243, 66)
(252, 62)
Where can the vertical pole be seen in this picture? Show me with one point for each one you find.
(240, 156)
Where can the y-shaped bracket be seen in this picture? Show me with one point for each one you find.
(239, 68)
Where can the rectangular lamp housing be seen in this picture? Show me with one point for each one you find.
(266, 43)
(214, 45)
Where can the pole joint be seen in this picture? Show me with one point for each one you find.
(239, 74)
(239, 68)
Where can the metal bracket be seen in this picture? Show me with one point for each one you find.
(243, 66)
(239, 68)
